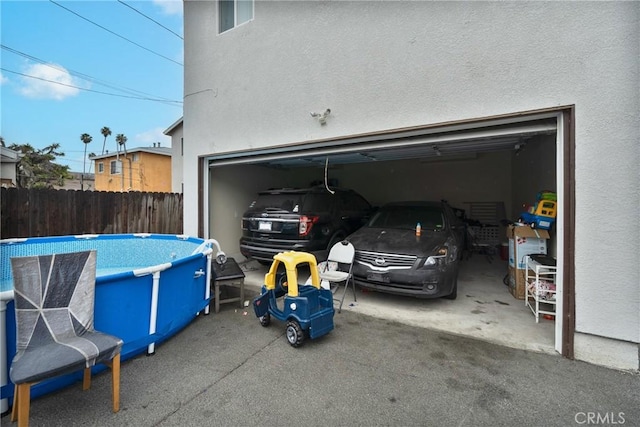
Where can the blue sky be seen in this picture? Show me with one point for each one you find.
(119, 64)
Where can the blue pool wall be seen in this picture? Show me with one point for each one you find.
(122, 299)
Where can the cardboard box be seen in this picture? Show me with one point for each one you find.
(516, 283)
(523, 241)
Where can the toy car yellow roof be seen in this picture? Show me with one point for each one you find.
(291, 260)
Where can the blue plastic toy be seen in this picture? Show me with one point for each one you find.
(543, 214)
(307, 309)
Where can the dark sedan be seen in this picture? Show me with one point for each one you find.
(410, 248)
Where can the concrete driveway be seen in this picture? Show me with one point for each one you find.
(484, 308)
(225, 370)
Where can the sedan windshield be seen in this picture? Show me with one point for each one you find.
(407, 217)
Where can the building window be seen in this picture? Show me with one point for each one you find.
(116, 167)
(232, 13)
(136, 157)
(100, 167)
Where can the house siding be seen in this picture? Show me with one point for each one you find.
(150, 172)
(383, 65)
(176, 133)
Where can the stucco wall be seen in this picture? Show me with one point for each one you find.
(153, 172)
(383, 65)
(176, 159)
(141, 171)
(105, 180)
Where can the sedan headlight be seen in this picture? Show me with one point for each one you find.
(436, 259)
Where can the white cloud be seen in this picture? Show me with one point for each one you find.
(3, 79)
(49, 81)
(148, 138)
(169, 7)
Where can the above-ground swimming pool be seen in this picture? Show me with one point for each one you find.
(148, 287)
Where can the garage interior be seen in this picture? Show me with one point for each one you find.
(502, 164)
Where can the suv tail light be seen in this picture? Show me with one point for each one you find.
(306, 222)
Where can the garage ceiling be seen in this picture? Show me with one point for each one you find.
(397, 145)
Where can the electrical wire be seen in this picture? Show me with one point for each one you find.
(116, 34)
(150, 19)
(326, 183)
(91, 90)
(84, 76)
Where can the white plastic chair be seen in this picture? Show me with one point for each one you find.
(342, 254)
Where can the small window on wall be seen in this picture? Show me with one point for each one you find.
(136, 157)
(100, 167)
(232, 13)
(116, 167)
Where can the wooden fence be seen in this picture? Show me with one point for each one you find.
(40, 213)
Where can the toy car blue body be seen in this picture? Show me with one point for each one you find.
(537, 221)
(307, 309)
(543, 214)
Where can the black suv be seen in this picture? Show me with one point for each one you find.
(306, 220)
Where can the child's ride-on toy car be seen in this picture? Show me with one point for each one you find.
(543, 214)
(307, 309)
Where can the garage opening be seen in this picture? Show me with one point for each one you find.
(491, 168)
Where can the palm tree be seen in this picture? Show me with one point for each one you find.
(122, 142)
(105, 131)
(91, 156)
(86, 138)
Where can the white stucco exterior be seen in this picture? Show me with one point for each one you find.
(176, 131)
(389, 64)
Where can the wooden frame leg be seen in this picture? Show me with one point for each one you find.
(86, 379)
(21, 403)
(16, 401)
(22, 393)
(115, 382)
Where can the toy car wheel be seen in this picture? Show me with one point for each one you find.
(295, 334)
(532, 225)
(265, 320)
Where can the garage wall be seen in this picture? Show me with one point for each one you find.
(486, 177)
(385, 65)
(534, 170)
